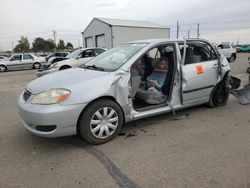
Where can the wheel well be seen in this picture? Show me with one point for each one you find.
(223, 79)
(93, 101)
(4, 66)
(64, 67)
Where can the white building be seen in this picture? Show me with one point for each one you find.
(107, 33)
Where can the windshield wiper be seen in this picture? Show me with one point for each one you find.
(93, 67)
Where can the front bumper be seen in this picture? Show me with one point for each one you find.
(62, 117)
(40, 72)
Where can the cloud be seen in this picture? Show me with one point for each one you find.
(215, 17)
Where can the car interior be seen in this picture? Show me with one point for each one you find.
(151, 78)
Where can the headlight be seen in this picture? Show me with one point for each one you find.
(52, 65)
(52, 96)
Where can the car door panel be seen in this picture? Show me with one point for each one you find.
(28, 61)
(198, 80)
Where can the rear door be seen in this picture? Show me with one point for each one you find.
(199, 72)
(28, 61)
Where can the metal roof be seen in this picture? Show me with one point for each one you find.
(130, 23)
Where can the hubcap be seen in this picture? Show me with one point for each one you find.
(36, 65)
(104, 122)
(2, 69)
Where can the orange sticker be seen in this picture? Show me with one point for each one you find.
(199, 69)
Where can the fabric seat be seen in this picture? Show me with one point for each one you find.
(151, 96)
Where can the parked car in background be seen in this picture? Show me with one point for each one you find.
(56, 54)
(245, 48)
(3, 58)
(228, 51)
(21, 61)
(129, 82)
(76, 58)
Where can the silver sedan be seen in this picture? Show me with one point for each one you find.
(129, 82)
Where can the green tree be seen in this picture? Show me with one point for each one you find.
(49, 45)
(69, 45)
(23, 45)
(38, 44)
(61, 45)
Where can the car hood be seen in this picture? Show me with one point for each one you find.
(67, 79)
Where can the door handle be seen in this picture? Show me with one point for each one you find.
(215, 66)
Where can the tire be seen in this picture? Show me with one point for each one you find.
(36, 65)
(103, 128)
(219, 96)
(3, 68)
(248, 70)
(232, 59)
(64, 67)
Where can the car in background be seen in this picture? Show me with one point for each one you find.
(131, 81)
(21, 61)
(3, 58)
(227, 50)
(74, 59)
(245, 48)
(56, 54)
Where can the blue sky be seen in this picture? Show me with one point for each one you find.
(224, 20)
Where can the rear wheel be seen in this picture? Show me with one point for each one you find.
(232, 59)
(36, 65)
(248, 70)
(3, 68)
(219, 95)
(100, 122)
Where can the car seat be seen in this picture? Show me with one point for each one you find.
(151, 95)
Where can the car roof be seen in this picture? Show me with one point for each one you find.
(161, 40)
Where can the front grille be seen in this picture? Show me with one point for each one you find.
(26, 94)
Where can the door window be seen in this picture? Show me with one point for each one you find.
(198, 52)
(99, 51)
(27, 57)
(16, 58)
(87, 53)
(226, 46)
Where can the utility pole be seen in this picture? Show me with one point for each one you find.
(189, 31)
(54, 34)
(177, 34)
(12, 45)
(198, 30)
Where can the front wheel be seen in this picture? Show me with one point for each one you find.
(36, 65)
(100, 122)
(219, 95)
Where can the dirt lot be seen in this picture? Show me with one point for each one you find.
(203, 147)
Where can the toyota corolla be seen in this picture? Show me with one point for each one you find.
(129, 82)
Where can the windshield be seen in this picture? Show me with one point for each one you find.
(74, 53)
(115, 57)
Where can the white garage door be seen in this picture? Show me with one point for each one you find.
(100, 41)
(89, 42)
